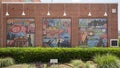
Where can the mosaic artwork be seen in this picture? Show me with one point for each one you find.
(20, 32)
(93, 32)
(56, 32)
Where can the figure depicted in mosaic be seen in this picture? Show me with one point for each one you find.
(56, 32)
(20, 32)
(93, 32)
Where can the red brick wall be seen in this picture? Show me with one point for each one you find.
(0, 4)
(19, 0)
(0, 22)
(74, 11)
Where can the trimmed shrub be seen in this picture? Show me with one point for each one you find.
(107, 61)
(29, 54)
(6, 62)
(119, 41)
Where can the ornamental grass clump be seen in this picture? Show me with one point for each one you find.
(77, 63)
(107, 61)
(90, 64)
(4, 62)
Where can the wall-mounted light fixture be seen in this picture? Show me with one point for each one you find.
(64, 14)
(23, 12)
(7, 13)
(48, 13)
(105, 14)
(89, 14)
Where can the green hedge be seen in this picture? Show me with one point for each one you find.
(27, 55)
(119, 41)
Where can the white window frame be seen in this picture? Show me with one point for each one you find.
(113, 40)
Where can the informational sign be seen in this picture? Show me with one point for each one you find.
(53, 61)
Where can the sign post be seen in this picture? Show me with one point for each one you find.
(53, 61)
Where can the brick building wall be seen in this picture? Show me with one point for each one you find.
(0, 22)
(74, 12)
(20, 1)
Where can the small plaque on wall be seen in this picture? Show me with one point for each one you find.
(114, 42)
(113, 10)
